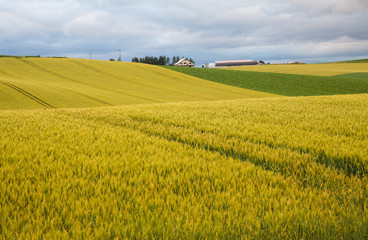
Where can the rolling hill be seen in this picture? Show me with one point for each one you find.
(31, 83)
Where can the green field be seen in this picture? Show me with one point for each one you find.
(282, 84)
(281, 168)
(363, 75)
(29, 83)
(181, 157)
(324, 69)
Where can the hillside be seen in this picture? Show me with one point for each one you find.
(282, 84)
(325, 69)
(290, 168)
(30, 83)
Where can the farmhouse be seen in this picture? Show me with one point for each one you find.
(184, 63)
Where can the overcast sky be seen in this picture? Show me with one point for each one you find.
(205, 30)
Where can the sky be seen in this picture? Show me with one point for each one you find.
(204, 30)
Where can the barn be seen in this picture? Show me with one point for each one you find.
(231, 63)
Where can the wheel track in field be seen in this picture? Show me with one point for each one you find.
(350, 167)
(47, 70)
(304, 177)
(73, 80)
(65, 78)
(96, 70)
(93, 69)
(8, 74)
(27, 94)
(88, 96)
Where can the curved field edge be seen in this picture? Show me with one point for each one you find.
(282, 84)
(28, 83)
(286, 167)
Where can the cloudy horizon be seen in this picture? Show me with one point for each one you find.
(205, 30)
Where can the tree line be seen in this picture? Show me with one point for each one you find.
(161, 60)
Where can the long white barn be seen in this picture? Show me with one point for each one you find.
(231, 63)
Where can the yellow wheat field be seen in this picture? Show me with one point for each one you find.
(282, 168)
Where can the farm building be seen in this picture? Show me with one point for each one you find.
(231, 63)
(235, 63)
(184, 63)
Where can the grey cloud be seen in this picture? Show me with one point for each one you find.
(278, 28)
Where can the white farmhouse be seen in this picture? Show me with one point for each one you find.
(184, 63)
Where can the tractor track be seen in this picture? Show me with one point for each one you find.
(63, 77)
(8, 74)
(27, 94)
(47, 70)
(93, 69)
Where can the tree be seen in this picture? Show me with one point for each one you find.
(161, 60)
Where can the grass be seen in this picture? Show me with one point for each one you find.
(30, 83)
(325, 69)
(282, 84)
(281, 168)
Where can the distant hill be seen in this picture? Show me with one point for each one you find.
(320, 69)
(30, 83)
(365, 60)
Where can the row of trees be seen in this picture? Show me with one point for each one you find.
(161, 60)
